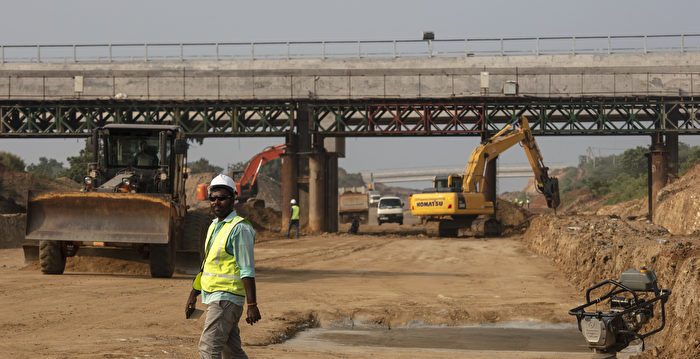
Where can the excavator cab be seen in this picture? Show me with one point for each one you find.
(449, 183)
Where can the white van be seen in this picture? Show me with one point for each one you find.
(374, 197)
(390, 209)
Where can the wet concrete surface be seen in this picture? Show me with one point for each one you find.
(555, 338)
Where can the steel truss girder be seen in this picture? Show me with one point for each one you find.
(198, 119)
(373, 117)
(601, 116)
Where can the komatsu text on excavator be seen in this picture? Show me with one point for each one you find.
(459, 203)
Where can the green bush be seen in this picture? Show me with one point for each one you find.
(47, 168)
(13, 161)
(623, 177)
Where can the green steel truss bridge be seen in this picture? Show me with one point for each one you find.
(468, 116)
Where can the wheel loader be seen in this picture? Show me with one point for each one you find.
(458, 203)
(132, 204)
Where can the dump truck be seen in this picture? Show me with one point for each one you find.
(133, 200)
(458, 203)
(353, 205)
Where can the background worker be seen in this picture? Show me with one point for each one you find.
(293, 218)
(227, 278)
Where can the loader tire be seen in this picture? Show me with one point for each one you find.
(51, 257)
(162, 258)
(196, 226)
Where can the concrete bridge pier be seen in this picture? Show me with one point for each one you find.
(323, 184)
(317, 191)
(310, 175)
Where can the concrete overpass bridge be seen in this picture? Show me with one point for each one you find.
(317, 93)
(428, 174)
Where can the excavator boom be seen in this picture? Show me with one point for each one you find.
(250, 173)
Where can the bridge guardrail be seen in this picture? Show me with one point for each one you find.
(241, 51)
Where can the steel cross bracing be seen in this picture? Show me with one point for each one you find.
(371, 117)
(197, 118)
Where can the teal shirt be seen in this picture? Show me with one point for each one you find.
(240, 244)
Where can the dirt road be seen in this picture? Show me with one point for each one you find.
(331, 281)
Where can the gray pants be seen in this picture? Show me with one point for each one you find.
(221, 337)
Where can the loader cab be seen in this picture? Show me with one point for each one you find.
(138, 159)
(134, 150)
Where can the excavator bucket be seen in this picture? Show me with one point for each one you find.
(551, 193)
(99, 217)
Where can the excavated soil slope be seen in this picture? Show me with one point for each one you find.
(677, 206)
(590, 249)
(14, 187)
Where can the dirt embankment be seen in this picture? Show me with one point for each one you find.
(677, 206)
(14, 187)
(590, 249)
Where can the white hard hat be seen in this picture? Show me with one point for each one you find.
(223, 181)
(293, 201)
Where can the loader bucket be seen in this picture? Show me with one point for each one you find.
(98, 217)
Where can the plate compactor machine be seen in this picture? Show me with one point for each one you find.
(630, 305)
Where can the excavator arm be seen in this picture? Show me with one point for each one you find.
(501, 141)
(548, 186)
(250, 174)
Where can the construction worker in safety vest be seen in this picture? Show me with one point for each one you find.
(227, 276)
(293, 218)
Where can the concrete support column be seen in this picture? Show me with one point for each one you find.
(657, 173)
(317, 191)
(289, 179)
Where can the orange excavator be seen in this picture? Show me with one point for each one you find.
(246, 184)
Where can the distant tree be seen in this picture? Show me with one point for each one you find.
(203, 165)
(633, 162)
(235, 170)
(271, 169)
(78, 166)
(349, 179)
(687, 157)
(47, 168)
(13, 161)
(599, 187)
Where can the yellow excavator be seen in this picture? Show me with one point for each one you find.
(459, 203)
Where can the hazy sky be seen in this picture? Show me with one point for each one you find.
(92, 21)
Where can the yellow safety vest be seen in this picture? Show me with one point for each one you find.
(295, 212)
(219, 270)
